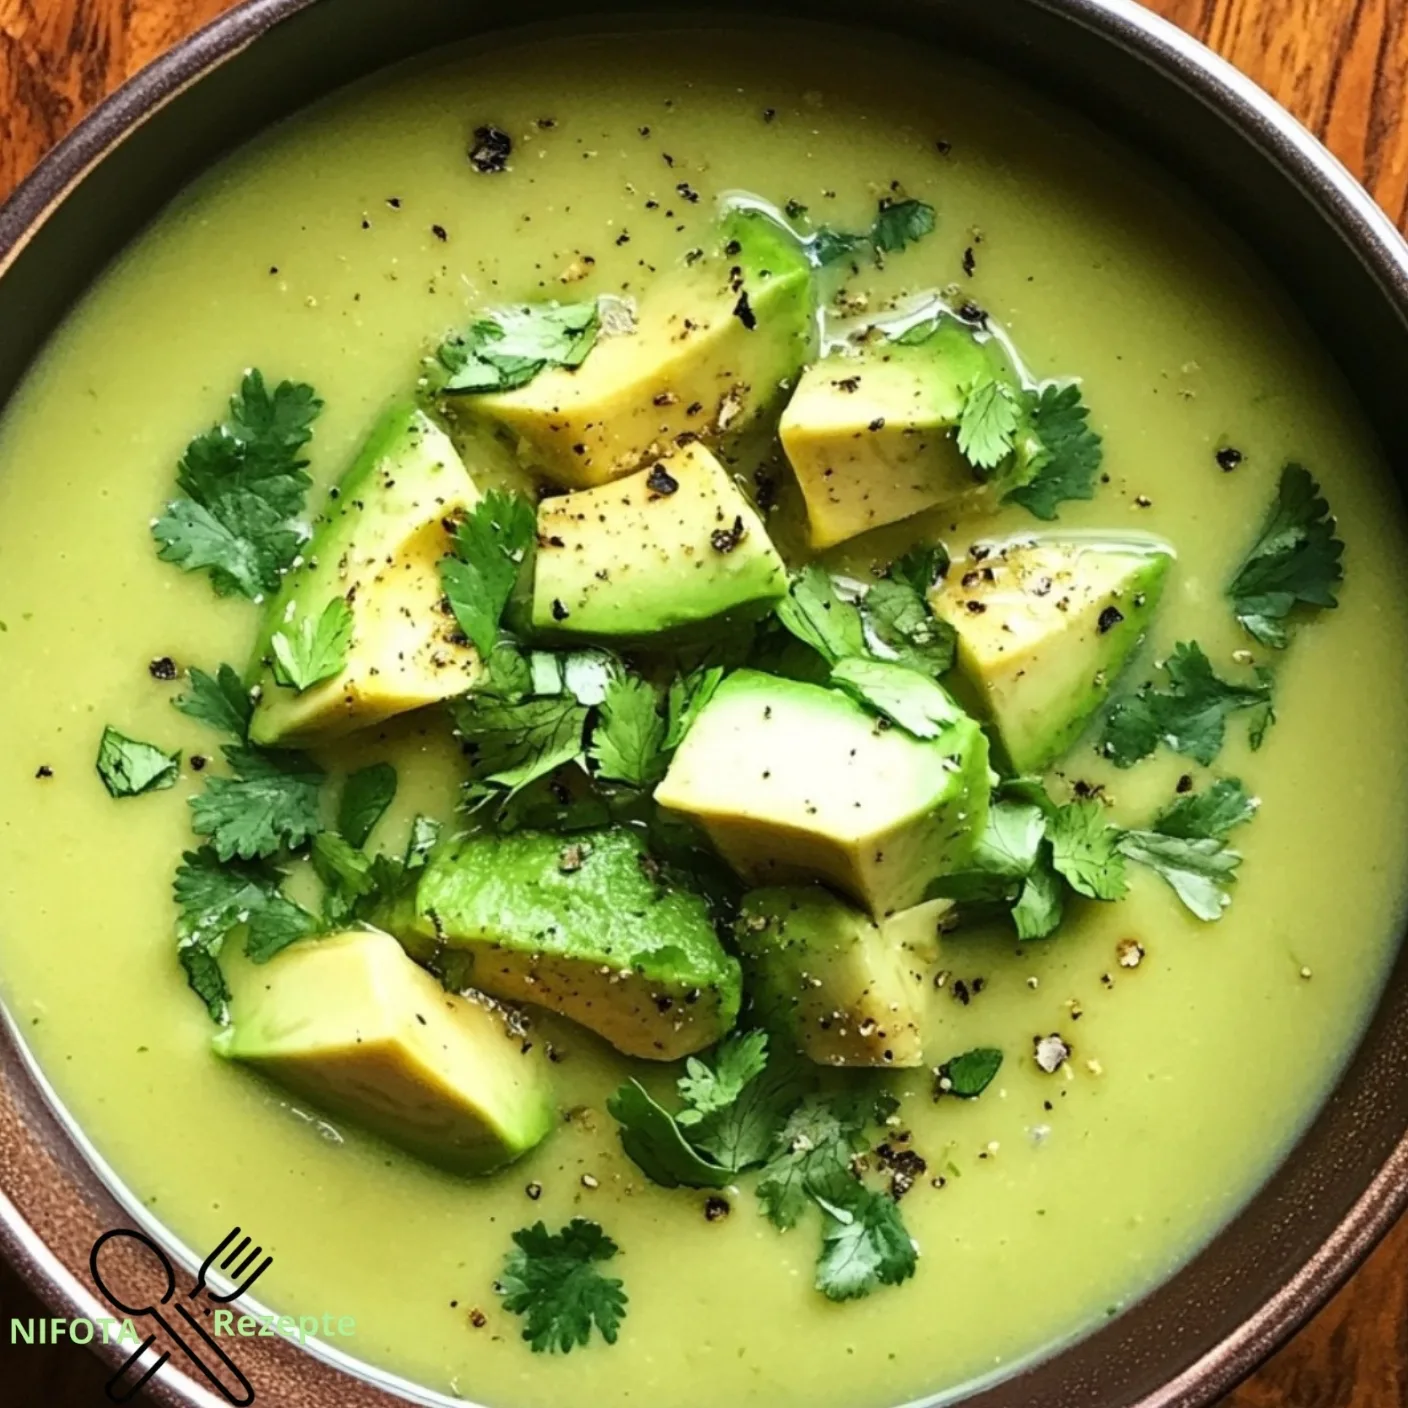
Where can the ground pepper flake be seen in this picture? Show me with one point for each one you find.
(490, 151)
(661, 481)
(716, 1209)
(724, 540)
(162, 668)
(1051, 1052)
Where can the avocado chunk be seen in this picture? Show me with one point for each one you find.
(584, 924)
(349, 1022)
(795, 781)
(1044, 628)
(825, 974)
(660, 551)
(715, 344)
(377, 545)
(870, 431)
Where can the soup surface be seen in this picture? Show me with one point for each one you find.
(338, 250)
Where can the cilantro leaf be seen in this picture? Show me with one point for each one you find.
(1294, 561)
(205, 979)
(1190, 716)
(128, 767)
(898, 616)
(744, 1133)
(1041, 905)
(918, 704)
(347, 875)
(1198, 869)
(1085, 851)
(490, 545)
(551, 1278)
(969, 1074)
(510, 744)
(584, 674)
(814, 613)
(987, 423)
(628, 741)
(864, 1244)
(244, 487)
(507, 348)
(270, 804)
(687, 697)
(1068, 465)
(1226, 804)
(920, 568)
(308, 650)
(707, 1090)
(897, 223)
(274, 926)
(222, 701)
(813, 1155)
(213, 896)
(1005, 854)
(655, 1143)
(365, 797)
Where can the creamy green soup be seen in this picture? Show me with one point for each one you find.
(338, 250)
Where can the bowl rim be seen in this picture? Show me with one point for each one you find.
(1340, 199)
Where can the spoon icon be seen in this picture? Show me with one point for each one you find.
(158, 1273)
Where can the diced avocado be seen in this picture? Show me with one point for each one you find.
(352, 1024)
(584, 924)
(796, 781)
(917, 931)
(824, 973)
(715, 344)
(377, 545)
(870, 431)
(657, 552)
(1044, 628)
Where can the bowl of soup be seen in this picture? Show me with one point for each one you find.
(690, 728)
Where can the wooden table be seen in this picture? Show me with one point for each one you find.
(1340, 65)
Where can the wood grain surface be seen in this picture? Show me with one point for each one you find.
(1341, 66)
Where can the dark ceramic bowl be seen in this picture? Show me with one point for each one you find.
(1194, 1337)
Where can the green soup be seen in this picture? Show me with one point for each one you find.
(338, 250)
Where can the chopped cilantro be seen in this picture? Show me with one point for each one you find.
(969, 1074)
(628, 740)
(730, 1121)
(490, 545)
(244, 486)
(274, 926)
(203, 974)
(918, 704)
(897, 615)
(1041, 904)
(129, 767)
(269, 805)
(508, 348)
(865, 1244)
(365, 797)
(1189, 716)
(687, 696)
(655, 1142)
(552, 1280)
(1198, 869)
(1294, 561)
(221, 701)
(987, 424)
(1068, 464)
(1226, 804)
(813, 1155)
(920, 568)
(308, 650)
(213, 896)
(1085, 851)
(709, 1089)
(897, 224)
(510, 743)
(814, 613)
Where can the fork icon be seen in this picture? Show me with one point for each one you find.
(235, 1262)
(241, 1286)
